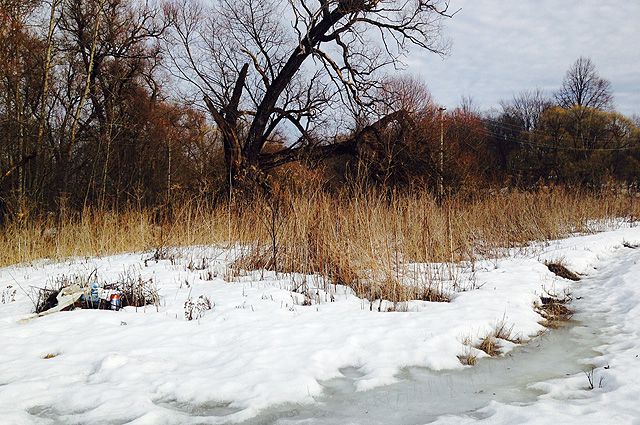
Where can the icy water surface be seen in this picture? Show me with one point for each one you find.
(422, 395)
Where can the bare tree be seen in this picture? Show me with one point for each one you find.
(402, 154)
(583, 86)
(263, 66)
(18, 56)
(526, 108)
(468, 105)
(112, 48)
(408, 93)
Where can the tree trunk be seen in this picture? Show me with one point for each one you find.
(227, 121)
(45, 93)
(66, 154)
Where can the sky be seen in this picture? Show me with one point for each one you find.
(502, 47)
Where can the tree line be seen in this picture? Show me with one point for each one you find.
(114, 103)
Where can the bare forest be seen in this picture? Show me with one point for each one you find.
(246, 109)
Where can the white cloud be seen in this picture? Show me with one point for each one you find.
(502, 47)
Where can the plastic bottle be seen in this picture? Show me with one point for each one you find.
(95, 296)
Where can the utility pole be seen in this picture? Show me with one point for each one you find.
(441, 174)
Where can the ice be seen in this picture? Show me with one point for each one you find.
(422, 395)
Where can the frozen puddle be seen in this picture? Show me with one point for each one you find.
(421, 395)
(56, 417)
(204, 410)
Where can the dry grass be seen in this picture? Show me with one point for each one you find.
(562, 271)
(366, 241)
(505, 331)
(490, 344)
(554, 310)
(468, 359)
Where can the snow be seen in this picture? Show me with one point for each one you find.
(613, 296)
(260, 347)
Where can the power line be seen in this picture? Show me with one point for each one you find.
(490, 132)
(514, 127)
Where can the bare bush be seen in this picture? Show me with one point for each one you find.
(136, 291)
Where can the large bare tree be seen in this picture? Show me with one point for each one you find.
(583, 86)
(296, 67)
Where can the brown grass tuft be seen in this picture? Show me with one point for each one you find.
(554, 311)
(505, 331)
(560, 270)
(468, 359)
(489, 345)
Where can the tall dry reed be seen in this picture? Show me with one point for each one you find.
(350, 238)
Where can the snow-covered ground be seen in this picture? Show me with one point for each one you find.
(611, 298)
(260, 346)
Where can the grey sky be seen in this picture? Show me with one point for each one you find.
(501, 47)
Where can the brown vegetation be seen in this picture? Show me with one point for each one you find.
(351, 239)
(327, 169)
(102, 106)
(490, 343)
(562, 271)
(554, 310)
(468, 359)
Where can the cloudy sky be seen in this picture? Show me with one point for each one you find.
(501, 47)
